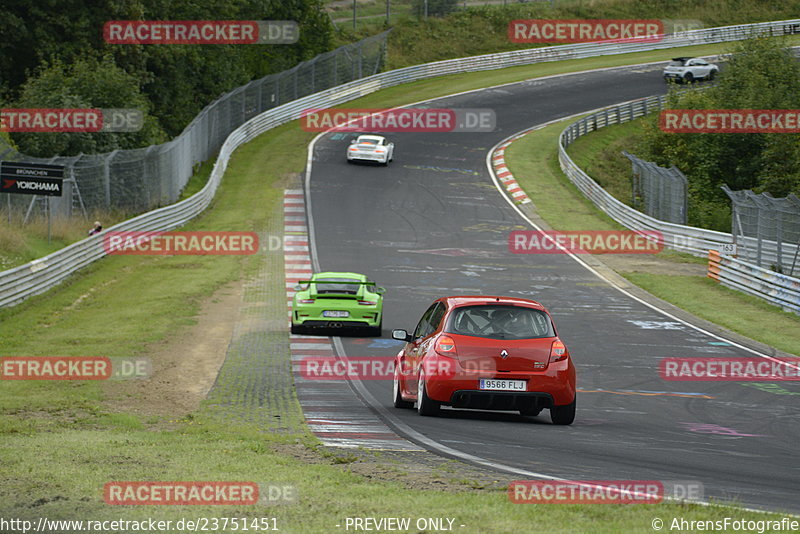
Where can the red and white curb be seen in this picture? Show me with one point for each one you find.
(332, 410)
(505, 176)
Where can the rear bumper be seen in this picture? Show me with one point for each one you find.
(500, 400)
(368, 157)
(447, 382)
(335, 323)
(314, 315)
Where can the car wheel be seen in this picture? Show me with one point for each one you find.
(712, 74)
(532, 412)
(398, 398)
(563, 415)
(425, 405)
(688, 77)
(297, 329)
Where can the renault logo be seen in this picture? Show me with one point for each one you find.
(504, 354)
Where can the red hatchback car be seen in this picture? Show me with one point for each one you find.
(488, 353)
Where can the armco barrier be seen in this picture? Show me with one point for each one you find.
(36, 277)
(778, 289)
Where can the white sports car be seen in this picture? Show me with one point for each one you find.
(370, 148)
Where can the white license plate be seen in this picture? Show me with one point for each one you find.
(335, 313)
(502, 385)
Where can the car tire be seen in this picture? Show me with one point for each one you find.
(425, 405)
(563, 415)
(297, 329)
(399, 402)
(688, 77)
(712, 74)
(530, 412)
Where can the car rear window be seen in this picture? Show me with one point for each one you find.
(329, 285)
(677, 63)
(500, 322)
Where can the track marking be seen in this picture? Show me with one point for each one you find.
(335, 416)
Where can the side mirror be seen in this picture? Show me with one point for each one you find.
(401, 335)
(298, 287)
(353, 141)
(380, 290)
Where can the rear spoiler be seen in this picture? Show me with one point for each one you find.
(378, 289)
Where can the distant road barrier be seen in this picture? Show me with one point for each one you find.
(778, 289)
(24, 281)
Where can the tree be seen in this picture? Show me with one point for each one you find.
(760, 74)
(88, 83)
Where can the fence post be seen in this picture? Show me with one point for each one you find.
(107, 177)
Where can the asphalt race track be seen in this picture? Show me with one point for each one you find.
(433, 224)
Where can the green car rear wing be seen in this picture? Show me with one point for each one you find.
(299, 286)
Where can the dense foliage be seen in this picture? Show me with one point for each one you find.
(52, 53)
(761, 74)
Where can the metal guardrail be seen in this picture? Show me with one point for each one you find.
(778, 289)
(38, 276)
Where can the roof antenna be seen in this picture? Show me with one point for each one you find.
(497, 299)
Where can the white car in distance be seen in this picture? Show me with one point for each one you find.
(370, 148)
(689, 69)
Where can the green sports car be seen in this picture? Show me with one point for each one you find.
(337, 300)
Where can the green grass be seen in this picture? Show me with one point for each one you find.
(734, 310)
(326, 494)
(600, 155)
(534, 162)
(483, 30)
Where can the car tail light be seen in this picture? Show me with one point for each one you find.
(367, 302)
(446, 346)
(305, 301)
(380, 150)
(353, 148)
(558, 351)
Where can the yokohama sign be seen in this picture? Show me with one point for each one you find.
(31, 178)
